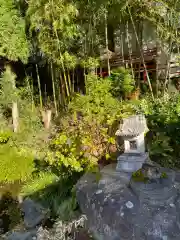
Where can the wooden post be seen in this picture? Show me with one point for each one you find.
(46, 117)
(15, 116)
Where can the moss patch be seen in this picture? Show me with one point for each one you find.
(163, 175)
(138, 176)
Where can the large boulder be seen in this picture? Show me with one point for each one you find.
(34, 213)
(117, 209)
(31, 235)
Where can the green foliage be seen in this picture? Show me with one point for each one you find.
(65, 210)
(4, 136)
(138, 176)
(88, 131)
(14, 165)
(14, 45)
(98, 104)
(68, 152)
(58, 190)
(53, 22)
(69, 60)
(9, 92)
(163, 116)
(122, 82)
(38, 183)
(90, 63)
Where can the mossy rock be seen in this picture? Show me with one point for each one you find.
(138, 176)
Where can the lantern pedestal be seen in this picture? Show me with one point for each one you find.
(131, 162)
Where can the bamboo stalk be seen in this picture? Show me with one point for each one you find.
(69, 82)
(129, 48)
(39, 87)
(73, 81)
(32, 95)
(54, 91)
(45, 92)
(106, 41)
(60, 54)
(58, 88)
(167, 76)
(157, 68)
(62, 90)
(142, 56)
(122, 49)
(15, 112)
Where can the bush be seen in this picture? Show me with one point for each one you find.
(163, 117)
(122, 82)
(87, 133)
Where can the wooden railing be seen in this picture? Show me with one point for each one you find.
(119, 60)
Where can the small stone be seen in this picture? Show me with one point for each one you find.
(101, 209)
(93, 206)
(129, 205)
(99, 191)
(172, 205)
(165, 238)
(103, 182)
(112, 200)
(122, 214)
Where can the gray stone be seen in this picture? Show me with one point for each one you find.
(22, 235)
(34, 213)
(131, 162)
(159, 192)
(124, 211)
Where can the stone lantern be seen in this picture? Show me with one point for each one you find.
(132, 131)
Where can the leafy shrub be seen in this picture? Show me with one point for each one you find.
(87, 133)
(122, 82)
(163, 116)
(68, 153)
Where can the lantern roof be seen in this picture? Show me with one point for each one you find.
(132, 126)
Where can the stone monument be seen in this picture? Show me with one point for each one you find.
(132, 131)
